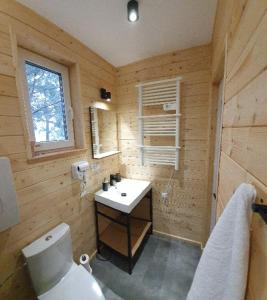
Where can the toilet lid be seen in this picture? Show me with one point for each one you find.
(78, 284)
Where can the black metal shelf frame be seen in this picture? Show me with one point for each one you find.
(127, 225)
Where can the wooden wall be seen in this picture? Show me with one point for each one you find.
(47, 195)
(186, 212)
(244, 136)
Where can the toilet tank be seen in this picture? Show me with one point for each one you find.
(49, 258)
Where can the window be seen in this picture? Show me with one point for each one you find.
(47, 101)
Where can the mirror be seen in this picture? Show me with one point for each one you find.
(104, 133)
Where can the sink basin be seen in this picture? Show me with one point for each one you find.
(135, 190)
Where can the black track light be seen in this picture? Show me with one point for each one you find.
(132, 10)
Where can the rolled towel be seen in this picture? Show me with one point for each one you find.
(222, 270)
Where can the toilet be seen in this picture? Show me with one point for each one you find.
(54, 274)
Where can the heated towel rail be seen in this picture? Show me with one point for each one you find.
(166, 94)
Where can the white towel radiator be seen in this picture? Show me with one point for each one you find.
(165, 94)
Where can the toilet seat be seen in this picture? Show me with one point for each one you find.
(77, 284)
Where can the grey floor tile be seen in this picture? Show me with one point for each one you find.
(164, 271)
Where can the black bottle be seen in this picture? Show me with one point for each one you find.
(105, 185)
(118, 177)
(112, 178)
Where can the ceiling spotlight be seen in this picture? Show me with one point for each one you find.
(132, 10)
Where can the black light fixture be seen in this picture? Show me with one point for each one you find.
(132, 11)
(105, 95)
(108, 94)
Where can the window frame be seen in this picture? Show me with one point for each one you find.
(24, 56)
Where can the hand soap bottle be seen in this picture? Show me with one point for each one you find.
(105, 185)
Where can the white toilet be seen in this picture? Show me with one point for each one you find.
(54, 274)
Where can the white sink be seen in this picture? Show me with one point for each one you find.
(135, 190)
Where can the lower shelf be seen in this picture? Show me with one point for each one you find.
(115, 236)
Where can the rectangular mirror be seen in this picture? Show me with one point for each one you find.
(104, 132)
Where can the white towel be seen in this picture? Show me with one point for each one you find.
(222, 270)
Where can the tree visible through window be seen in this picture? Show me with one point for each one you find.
(47, 103)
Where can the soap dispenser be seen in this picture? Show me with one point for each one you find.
(112, 180)
(105, 185)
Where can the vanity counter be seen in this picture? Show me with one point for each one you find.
(123, 223)
(135, 190)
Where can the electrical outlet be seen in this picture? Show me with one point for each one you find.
(164, 196)
(95, 167)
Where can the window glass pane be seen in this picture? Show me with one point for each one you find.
(46, 98)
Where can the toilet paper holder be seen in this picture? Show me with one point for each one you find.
(85, 262)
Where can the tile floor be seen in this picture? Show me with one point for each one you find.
(164, 270)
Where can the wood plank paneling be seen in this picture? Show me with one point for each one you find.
(47, 194)
(10, 145)
(10, 126)
(6, 65)
(249, 107)
(165, 59)
(186, 212)
(193, 64)
(251, 16)
(244, 138)
(251, 62)
(9, 106)
(247, 147)
(5, 44)
(227, 18)
(8, 86)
